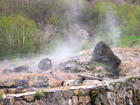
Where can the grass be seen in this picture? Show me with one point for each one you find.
(131, 41)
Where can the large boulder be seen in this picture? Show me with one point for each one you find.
(45, 64)
(103, 54)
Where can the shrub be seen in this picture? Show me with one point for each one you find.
(17, 35)
(37, 95)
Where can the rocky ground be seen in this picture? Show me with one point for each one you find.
(74, 71)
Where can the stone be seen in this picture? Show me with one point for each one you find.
(23, 68)
(75, 100)
(69, 102)
(21, 102)
(8, 84)
(103, 54)
(8, 101)
(73, 82)
(67, 94)
(87, 100)
(23, 83)
(45, 64)
(70, 67)
(20, 90)
(91, 82)
(7, 71)
(43, 84)
(29, 98)
(57, 95)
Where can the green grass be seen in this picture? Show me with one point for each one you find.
(128, 41)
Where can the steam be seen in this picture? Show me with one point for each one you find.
(74, 32)
(113, 28)
(110, 27)
(76, 35)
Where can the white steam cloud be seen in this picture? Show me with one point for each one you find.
(110, 27)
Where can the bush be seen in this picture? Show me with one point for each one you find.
(37, 95)
(18, 36)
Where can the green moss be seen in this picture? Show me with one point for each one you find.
(1, 96)
(37, 95)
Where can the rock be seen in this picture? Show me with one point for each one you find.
(73, 82)
(57, 95)
(43, 84)
(29, 98)
(23, 83)
(45, 64)
(103, 54)
(8, 101)
(91, 82)
(23, 68)
(75, 100)
(70, 67)
(8, 84)
(20, 90)
(67, 94)
(87, 77)
(7, 71)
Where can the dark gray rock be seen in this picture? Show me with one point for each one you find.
(23, 83)
(103, 54)
(41, 84)
(6, 101)
(23, 68)
(7, 71)
(45, 64)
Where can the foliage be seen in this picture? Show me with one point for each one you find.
(17, 35)
(37, 95)
(1, 96)
(129, 41)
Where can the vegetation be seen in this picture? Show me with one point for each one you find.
(1, 96)
(18, 35)
(37, 95)
(22, 24)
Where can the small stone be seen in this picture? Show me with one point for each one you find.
(7, 71)
(87, 99)
(69, 102)
(67, 94)
(20, 90)
(75, 100)
(11, 91)
(29, 98)
(82, 100)
(76, 92)
(23, 68)
(57, 95)
(91, 82)
(23, 83)
(110, 87)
